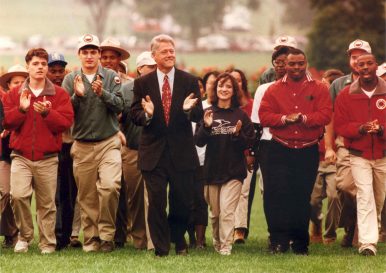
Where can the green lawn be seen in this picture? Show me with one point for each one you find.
(251, 257)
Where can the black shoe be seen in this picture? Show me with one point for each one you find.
(301, 252)
(182, 252)
(278, 248)
(119, 244)
(106, 246)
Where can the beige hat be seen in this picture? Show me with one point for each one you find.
(16, 70)
(381, 69)
(144, 58)
(113, 44)
(88, 40)
(359, 44)
(285, 41)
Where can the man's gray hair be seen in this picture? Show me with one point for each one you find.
(155, 42)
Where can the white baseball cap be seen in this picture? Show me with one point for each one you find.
(285, 40)
(88, 40)
(359, 44)
(381, 69)
(144, 58)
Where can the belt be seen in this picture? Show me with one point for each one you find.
(295, 143)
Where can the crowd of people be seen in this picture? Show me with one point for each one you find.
(106, 154)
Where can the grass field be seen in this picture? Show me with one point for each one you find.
(251, 257)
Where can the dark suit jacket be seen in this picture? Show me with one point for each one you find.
(156, 136)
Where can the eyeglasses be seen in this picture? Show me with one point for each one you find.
(279, 62)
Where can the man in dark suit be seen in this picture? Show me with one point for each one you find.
(165, 102)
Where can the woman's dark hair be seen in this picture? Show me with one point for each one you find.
(244, 82)
(207, 75)
(236, 96)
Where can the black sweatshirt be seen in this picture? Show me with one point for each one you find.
(224, 157)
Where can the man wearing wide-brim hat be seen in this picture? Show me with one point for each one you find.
(112, 54)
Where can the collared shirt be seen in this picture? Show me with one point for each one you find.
(161, 76)
(284, 97)
(260, 91)
(338, 84)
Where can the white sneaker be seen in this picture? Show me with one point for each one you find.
(225, 252)
(21, 247)
(47, 250)
(216, 245)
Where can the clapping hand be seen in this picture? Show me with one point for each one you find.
(293, 118)
(238, 128)
(25, 100)
(42, 107)
(148, 106)
(208, 118)
(97, 86)
(79, 86)
(370, 127)
(189, 102)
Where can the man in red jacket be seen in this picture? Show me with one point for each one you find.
(360, 117)
(295, 108)
(36, 113)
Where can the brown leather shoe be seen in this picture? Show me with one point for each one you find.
(239, 236)
(106, 246)
(74, 242)
(316, 233)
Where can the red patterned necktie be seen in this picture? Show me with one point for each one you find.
(166, 99)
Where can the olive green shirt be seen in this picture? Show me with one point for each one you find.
(96, 117)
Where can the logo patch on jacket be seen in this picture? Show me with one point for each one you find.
(380, 104)
(117, 80)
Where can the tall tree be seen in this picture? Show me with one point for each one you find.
(191, 15)
(302, 9)
(99, 12)
(339, 22)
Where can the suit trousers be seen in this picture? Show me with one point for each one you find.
(41, 176)
(97, 172)
(289, 176)
(7, 219)
(172, 227)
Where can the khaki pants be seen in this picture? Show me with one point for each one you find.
(43, 173)
(241, 213)
(370, 179)
(97, 172)
(346, 188)
(135, 197)
(325, 186)
(7, 225)
(222, 200)
(76, 220)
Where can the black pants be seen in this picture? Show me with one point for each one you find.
(121, 221)
(169, 228)
(289, 176)
(200, 207)
(65, 198)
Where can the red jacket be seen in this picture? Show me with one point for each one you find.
(284, 97)
(354, 108)
(33, 136)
